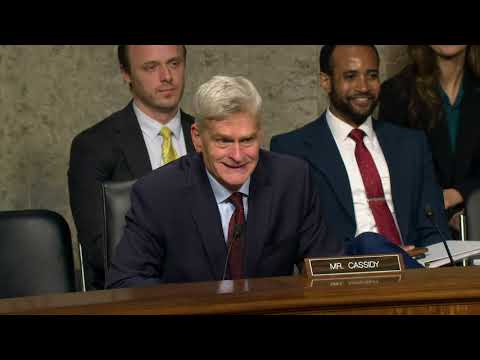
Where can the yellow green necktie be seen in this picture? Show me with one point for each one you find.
(168, 152)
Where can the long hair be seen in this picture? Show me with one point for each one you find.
(425, 99)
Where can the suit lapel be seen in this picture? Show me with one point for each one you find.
(205, 213)
(258, 218)
(187, 122)
(394, 153)
(324, 156)
(132, 143)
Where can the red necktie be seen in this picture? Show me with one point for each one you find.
(374, 189)
(235, 261)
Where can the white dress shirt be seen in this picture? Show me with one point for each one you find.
(225, 207)
(151, 134)
(340, 131)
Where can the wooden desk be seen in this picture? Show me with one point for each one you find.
(434, 291)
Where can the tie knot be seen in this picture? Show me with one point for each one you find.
(357, 135)
(165, 132)
(236, 200)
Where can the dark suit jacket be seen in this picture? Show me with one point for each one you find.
(174, 232)
(459, 169)
(411, 175)
(112, 150)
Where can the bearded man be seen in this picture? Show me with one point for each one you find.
(372, 176)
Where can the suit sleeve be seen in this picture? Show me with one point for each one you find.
(316, 238)
(431, 195)
(86, 172)
(138, 260)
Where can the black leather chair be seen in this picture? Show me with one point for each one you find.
(116, 202)
(473, 216)
(36, 254)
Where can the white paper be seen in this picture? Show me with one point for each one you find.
(437, 254)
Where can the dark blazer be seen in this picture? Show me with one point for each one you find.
(112, 150)
(459, 169)
(174, 232)
(411, 175)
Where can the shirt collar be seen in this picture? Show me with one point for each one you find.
(340, 129)
(152, 127)
(221, 193)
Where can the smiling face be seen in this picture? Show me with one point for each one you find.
(156, 76)
(230, 148)
(354, 84)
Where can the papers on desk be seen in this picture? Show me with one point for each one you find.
(437, 255)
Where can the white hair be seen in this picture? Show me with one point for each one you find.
(222, 96)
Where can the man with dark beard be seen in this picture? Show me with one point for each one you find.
(372, 176)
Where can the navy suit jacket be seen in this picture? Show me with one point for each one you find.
(411, 175)
(173, 230)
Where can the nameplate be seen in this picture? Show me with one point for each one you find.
(354, 265)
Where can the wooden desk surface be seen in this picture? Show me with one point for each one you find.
(433, 291)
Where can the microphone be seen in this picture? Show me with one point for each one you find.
(237, 233)
(430, 215)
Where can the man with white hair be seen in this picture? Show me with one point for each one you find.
(229, 211)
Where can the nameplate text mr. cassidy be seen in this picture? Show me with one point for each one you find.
(354, 265)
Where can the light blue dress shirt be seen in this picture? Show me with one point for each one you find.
(225, 207)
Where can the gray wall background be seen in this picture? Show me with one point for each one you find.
(48, 94)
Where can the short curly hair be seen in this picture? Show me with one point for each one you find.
(326, 57)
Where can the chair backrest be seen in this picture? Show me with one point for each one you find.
(36, 254)
(473, 216)
(116, 202)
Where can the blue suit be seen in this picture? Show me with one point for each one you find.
(174, 232)
(412, 178)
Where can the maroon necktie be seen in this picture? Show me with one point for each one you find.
(374, 189)
(235, 261)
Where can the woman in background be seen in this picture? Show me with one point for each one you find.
(439, 92)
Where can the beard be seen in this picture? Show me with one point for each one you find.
(344, 107)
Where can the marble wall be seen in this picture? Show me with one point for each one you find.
(50, 93)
